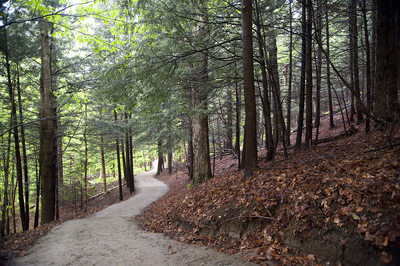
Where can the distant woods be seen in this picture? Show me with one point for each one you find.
(87, 101)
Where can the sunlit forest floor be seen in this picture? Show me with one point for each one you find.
(336, 203)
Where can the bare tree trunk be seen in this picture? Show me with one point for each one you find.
(124, 164)
(170, 161)
(368, 66)
(132, 170)
(190, 151)
(121, 197)
(266, 103)
(318, 35)
(6, 160)
(47, 154)
(13, 193)
(354, 52)
(250, 131)
(273, 69)
(36, 222)
(160, 158)
(229, 122)
(237, 112)
(309, 79)
(300, 118)
(289, 93)
(128, 158)
(373, 53)
(387, 60)
(24, 156)
(16, 141)
(85, 178)
(328, 70)
(102, 160)
(200, 129)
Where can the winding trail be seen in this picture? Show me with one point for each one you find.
(112, 237)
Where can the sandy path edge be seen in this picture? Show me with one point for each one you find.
(112, 237)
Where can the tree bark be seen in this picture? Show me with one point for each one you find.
(229, 123)
(328, 70)
(318, 72)
(36, 222)
(309, 78)
(354, 57)
(24, 156)
(250, 131)
(102, 160)
(387, 60)
(121, 197)
(237, 112)
(200, 129)
(14, 120)
(300, 117)
(368, 66)
(160, 158)
(273, 69)
(289, 92)
(6, 160)
(85, 178)
(266, 103)
(47, 153)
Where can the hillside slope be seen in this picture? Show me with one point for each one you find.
(337, 203)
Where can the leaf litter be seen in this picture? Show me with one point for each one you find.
(319, 206)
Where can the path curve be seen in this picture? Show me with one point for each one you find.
(113, 237)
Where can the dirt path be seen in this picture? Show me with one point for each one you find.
(112, 237)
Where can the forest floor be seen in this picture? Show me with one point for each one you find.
(335, 204)
(113, 237)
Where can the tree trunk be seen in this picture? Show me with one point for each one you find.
(190, 151)
(309, 79)
(368, 66)
(328, 70)
(318, 66)
(229, 123)
(6, 160)
(387, 60)
(132, 170)
(266, 103)
(124, 164)
(128, 158)
(121, 197)
(85, 178)
(237, 112)
(250, 131)
(354, 52)
(24, 156)
(201, 143)
(289, 93)
(36, 222)
(170, 161)
(18, 160)
(102, 160)
(300, 117)
(273, 69)
(47, 153)
(160, 157)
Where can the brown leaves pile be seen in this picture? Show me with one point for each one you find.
(334, 185)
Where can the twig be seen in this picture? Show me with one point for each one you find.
(385, 147)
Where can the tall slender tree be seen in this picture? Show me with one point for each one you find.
(250, 129)
(47, 153)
